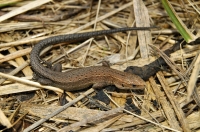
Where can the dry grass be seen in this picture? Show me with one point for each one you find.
(162, 106)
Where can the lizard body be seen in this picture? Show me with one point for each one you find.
(77, 79)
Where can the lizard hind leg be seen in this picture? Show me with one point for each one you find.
(45, 81)
(57, 67)
(41, 79)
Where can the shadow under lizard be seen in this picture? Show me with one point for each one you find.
(81, 78)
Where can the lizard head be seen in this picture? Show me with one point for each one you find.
(131, 81)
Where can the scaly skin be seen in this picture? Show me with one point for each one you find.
(95, 76)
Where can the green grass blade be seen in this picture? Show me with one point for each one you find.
(181, 27)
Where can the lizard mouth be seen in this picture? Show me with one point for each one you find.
(141, 87)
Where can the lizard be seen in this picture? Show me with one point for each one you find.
(81, 78)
